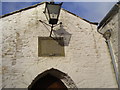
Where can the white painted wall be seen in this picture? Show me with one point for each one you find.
(86, 60)
(113, 25)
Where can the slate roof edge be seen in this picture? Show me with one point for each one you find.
(109, 15)
(22, 10)
(95, 23)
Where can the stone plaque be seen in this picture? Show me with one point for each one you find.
(48, 46)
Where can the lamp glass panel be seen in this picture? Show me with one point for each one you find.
(53, 10)
(47, 14)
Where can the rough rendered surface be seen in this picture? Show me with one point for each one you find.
(113, 25)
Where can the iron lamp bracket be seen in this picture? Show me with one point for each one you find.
(52, 26)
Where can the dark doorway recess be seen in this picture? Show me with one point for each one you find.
(48, 82)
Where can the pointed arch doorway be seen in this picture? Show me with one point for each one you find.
(52, 79)
(47, 82)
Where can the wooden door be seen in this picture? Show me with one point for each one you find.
(49, 82)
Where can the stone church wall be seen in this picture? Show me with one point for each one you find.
(113, 25)
(87, 61)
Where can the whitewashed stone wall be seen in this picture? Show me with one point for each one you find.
(86, 60)
(113, 25)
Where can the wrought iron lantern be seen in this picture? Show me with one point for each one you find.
(52, 12)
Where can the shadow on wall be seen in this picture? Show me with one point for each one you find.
(61, 32)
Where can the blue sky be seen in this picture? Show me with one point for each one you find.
(92, 11)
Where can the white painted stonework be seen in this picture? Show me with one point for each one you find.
(113, 26)
(87, 60)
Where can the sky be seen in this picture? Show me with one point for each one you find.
(92, 11)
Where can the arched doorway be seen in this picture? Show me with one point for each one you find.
(52, 78)
(47, 82)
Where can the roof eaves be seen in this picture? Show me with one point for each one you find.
(22, 10)
(95, 23)
(109, 16)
